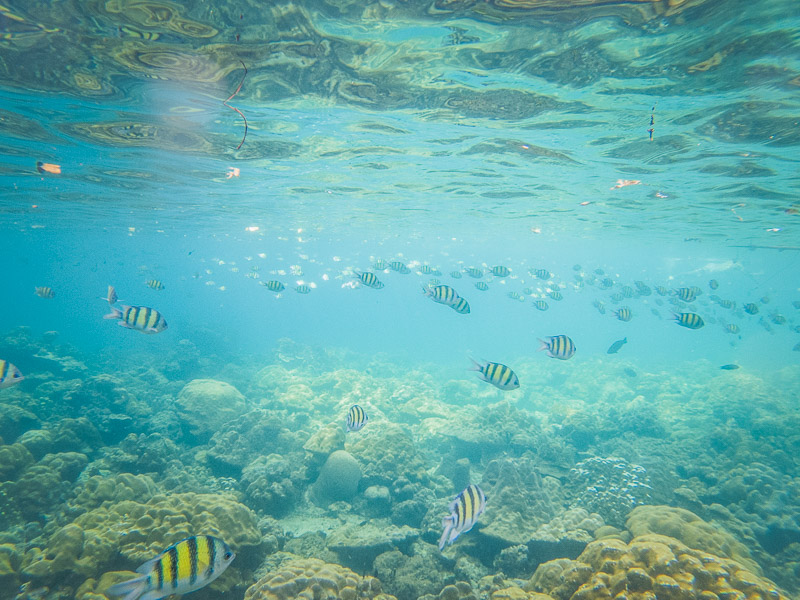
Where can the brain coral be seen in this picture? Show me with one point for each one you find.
(139, 531)
(690, 529)
(651, 567)
(205, 405)
(313, 579)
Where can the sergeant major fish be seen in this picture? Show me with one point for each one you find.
(558, 346)
(461, 306)
(141, 318)
(499, 375)
(185, 567)
(370, 280)
(443, 294)
(464, 512)
(9, 374)
(45, 292)
(356, 418)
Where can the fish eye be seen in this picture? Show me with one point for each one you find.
(227, 555)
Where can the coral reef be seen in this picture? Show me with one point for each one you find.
(651, 566)
(313, 579)
(206, 405)
(338, 479)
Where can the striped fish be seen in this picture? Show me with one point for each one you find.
(187, 566)
(443, 294)
(689, 320)
(461, 306)
(303, 289)
(474, 272)
(686, 294)
(501, 271)
(541, 305)
(356, 418)
(662, 291)
(555, 295)
(713, 284)
(111, 295)
(541, 274)
(140, 318)
(464, 512)
(273, 286)
(45, 292)
(154, 284)
(455, 274)
(482, 285)
(732, 328)
(499, 375)
(379, 265)
(558, 346)
(370, 280)
(426, 269)
(399, 267)
(9, 374)
(627, 291)
(623, 314)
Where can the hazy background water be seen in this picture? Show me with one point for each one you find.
(453, 134)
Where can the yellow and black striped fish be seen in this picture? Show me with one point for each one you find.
(154, 284)
(370, 280)
(540, 273)
(185, 567)
(623, 314)
(732, 328)
(686, 294)
(443, 294)
(474, 272)
(303, 289)
(558, 346)
(273, 286)
(555, 295)
(140, 318)
(9, 374)
(501, 271)
(399, 267)
(689, 320)
(464, 512)
(455, 274)
(356, 418)
(45, 292)
(499, 375)
(461, 306)
(482, 285)
(426, 269)
(541, 305)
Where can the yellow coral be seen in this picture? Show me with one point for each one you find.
(313, 579)
(651, 567)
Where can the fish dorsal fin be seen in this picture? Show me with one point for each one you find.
(148, 566)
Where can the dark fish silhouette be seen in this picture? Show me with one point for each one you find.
(616, 346)
(730, 367)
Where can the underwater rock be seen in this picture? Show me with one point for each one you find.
(610, 487)
(141, 454)
(357, 546)
(338, 479)
(324, 441)
(262, 431)
(14, 458)
(460, 590)
(14, 421)
(388, 456)
(315, 580)
(691, 530)
(45, 485)
(409, 577)
(651, 566)
(38, 442)
(206, 405)
(377, 501)
(76, 435)
(10, 565)
(274, 483)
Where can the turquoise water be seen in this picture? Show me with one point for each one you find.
(652, 145)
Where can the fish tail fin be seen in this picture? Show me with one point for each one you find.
(544, 346)
(114, 314)
(129, 590)
(476, 366)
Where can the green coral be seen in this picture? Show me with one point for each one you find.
(206, 405)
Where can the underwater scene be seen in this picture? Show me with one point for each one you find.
(400, 300)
